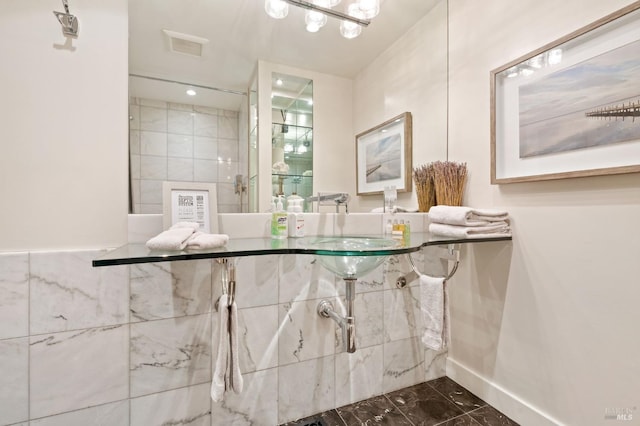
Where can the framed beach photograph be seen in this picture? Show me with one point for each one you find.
(572, 107)
(190, 202)
(383, 156)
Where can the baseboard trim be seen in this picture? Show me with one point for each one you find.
(503, 400)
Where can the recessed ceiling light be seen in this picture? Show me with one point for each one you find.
(191, 92)
(279, 82)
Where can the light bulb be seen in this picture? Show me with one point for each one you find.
(314, 20)
(191, 92)
(350, 29)
(277, 9)
(369, 8)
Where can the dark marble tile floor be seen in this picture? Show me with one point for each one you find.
(440, 402)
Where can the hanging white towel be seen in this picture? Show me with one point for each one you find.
(171, 239)
(435, 312)
(234, 372)
(202, 240)
(218, 385)
(465, 216)
(226, 374)
(495, 229)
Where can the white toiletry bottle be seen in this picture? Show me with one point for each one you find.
(388, 229)
(296, 219)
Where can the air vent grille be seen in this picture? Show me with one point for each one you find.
(185, 43)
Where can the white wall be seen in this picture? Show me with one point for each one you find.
(409, 76)
(63, 126)
(551, 319)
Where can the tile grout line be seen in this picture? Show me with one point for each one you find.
(456, 405)
(344, 422)
(399, 410)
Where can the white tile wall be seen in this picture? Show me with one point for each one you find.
(184, 143)
(14, 295)
(190, 405)
(132, 345)
(115, 413)
(78, 369)
(14, 392)
(68, 294)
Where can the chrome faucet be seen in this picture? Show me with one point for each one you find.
(328, 199)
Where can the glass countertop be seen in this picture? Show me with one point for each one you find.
(238, 247)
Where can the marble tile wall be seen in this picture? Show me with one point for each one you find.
(186, 143)
(132, 345)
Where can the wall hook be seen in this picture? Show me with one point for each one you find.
(68, 21)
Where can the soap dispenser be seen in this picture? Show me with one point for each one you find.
(278, 219)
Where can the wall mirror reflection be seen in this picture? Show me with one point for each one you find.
(215, 47)
(292, 135)
(186, 133)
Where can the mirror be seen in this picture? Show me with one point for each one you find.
(291, 135)
(215, 47)
(186, 133)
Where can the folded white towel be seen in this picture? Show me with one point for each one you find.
(193, 225)
(202, 240)
(171, 239)
(495, 229)
(465, 216)
(226, 374)
(218, 381)
(435, 312)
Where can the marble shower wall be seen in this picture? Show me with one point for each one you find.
(131, 345)
(186, 143)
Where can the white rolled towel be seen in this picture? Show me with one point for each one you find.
(465, 216)
(202, 240)
(497, 229)
(171, 239)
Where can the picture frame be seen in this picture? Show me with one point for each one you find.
(190, 202)
(572, 107)
(383, 156)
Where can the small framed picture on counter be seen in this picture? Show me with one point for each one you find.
(190, 202)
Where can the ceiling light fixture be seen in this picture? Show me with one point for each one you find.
(191, 92)
(358, 14)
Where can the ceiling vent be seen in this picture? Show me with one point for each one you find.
(185, 43)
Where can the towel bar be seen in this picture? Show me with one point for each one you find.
(228, 278)
(451, 253)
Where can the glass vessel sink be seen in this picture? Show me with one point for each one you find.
(351, 257)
